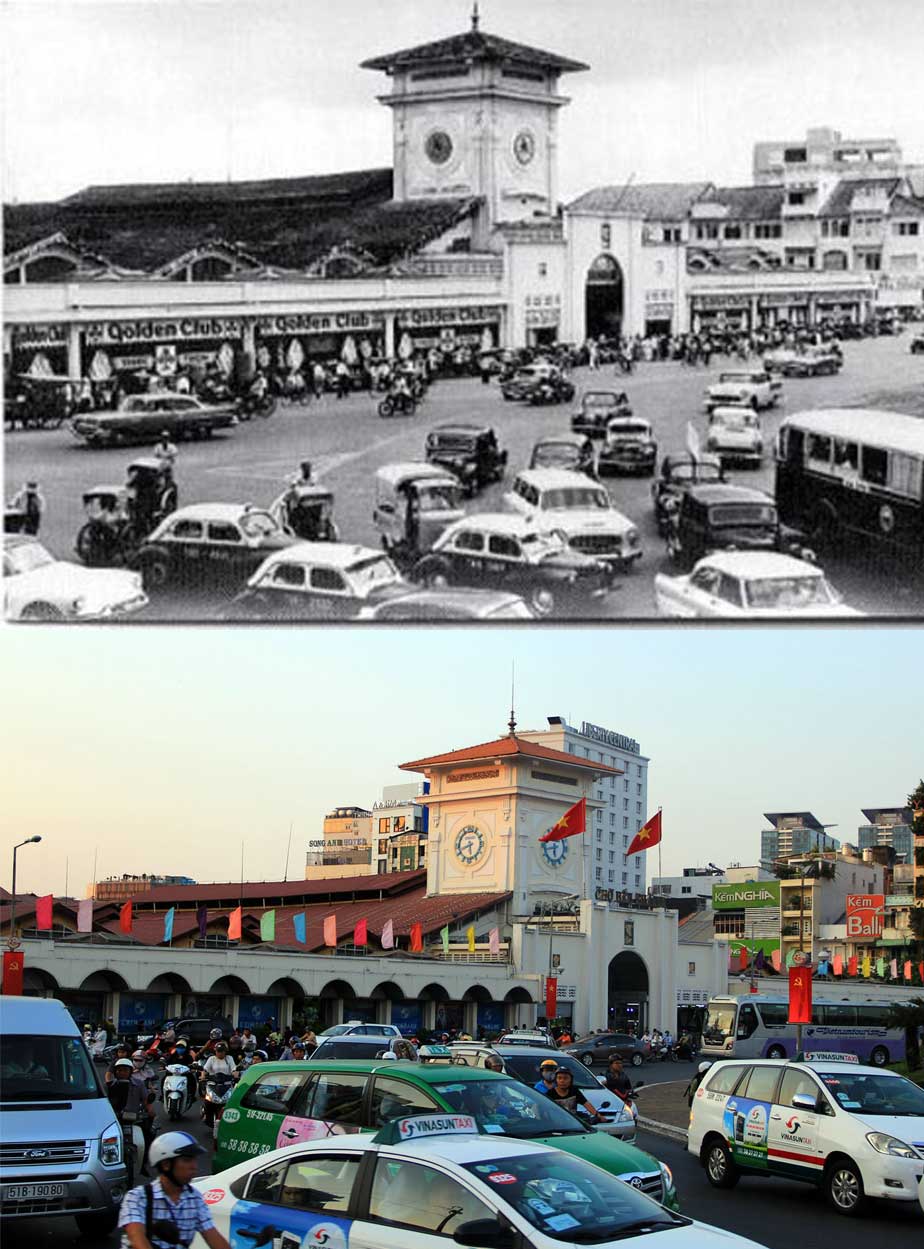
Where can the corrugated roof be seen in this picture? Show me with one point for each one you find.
(505, 747)
(254, 892)
(320, 188)
(838, 203)
(656, 201)
(698, 926)
(473, 46)
(746, 203)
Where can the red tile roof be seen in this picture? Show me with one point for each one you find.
(506, 747)
(269, 892)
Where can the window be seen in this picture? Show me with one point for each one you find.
(625, 804)
(625, 824)
(686, 889)
(606, 235)
(339, 1098)
(318, 1183)
(905, 227)
(543, 269)
(691, 969)
(871, 261)
(598, 875)
(761, 1083)
(222, 531)
(733, 231)
(835, 1015)
(795, 1081)
(638, 789)
(624, 878)
(707, 232)
(819, 449)
(289, 575)
(774, 1014)
(671, 234)
(612, 854)
(187, 530)
(500, 544)
(327, 579)
(409, 1194)
(391, 1099)
(469, 540)
(638, 880)
(795, 198)
(628, 932)
(874, 466)
(383, 828)
(723, 1078)
(282, 1093)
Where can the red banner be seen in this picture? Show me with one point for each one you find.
(416, 938)
(43, 913)
(125, 918)
(13, 961)
(551, 997)
(330, 930)
(852, 964)
(361, 933)
(234, 924)
(800, 995)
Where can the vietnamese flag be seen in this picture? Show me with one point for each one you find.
(235, 920)
(800, 995)
(647, 836)
(852, 965)
(416, 939)
(43, 908)
(361, 933)
(125, 918)
(573, 822)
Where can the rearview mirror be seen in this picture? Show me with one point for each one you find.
(804, 1101)
(484, 1234)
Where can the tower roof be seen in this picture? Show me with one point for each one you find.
(473, 46)
(871, 813)
(506, 747)
(807, 819)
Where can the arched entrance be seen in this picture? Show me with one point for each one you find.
(604, 298)
(627, 993)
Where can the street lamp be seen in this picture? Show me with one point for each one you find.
(12, 942)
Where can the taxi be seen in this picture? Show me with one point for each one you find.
(853, 1130)
(427, 1180)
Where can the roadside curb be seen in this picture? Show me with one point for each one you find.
(663, 1129)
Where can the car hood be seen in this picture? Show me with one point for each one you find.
(384, 593)
(64, 580)
(84, 1118)
(910, 1130)
(588, 520)
(604, 1151)
(723, 434)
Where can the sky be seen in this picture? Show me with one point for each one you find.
(163, 749)
(679, 90)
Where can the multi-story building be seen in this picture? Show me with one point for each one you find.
(888, 826)
(808, 904)
(399, 829)
(344, 847)
(793, 832)
(918, 882)
(694, 883)
(118, 888)
(624, 798)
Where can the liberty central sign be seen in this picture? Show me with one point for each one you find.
(609, 737)
(750, 894)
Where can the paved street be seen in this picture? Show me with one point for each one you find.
(347, 441)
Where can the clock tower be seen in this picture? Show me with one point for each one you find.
(476, 115)
(489, 807)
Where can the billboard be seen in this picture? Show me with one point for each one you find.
(752, 893)
(865, 914)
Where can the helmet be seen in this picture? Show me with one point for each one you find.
(123, 1062)
(703, 1068)
(215, 1034)
(261, 1054)
(165, 433)
(173, 1145)
(221, 1047)
(548, 1062)
(139, 1054)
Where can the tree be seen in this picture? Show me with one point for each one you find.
(910, 1016)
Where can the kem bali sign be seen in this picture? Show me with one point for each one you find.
(865, 914)
(751, 894)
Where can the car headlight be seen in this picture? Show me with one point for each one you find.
(885, 1144)
(632, 537)
(77, 604)
(110, 1146)
(667, 1176)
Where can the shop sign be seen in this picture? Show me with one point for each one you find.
(543, 316)
(785, 299)
(842, 297)
(721, 301)
(899, 899)
(904, 282)
(483, 775)
(31, 336)
(611, 738)
(752, 894)
(135, 362)
(97, 332)
(865, 914)
(192, 357)
(449, 316)
(320, 322)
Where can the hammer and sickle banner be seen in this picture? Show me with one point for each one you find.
(800, 995)
(551, 997)
(12, 972)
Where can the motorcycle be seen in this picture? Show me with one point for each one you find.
(255, 405)
(218, 1087)
(176, 1095)
(404, 405)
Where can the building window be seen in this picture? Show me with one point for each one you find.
(707, 232)
(628, 932)
(599, 854)
(625, 822)
(599, 874)
(904, 227)
(612, 854)
(383, 825)
(383, 844)
(685, 889)
(733, 231)
(612, 819)
(730, 923)
(691, 969)
(870, 261)
(638, 808)
(638, 789)
(543, 269)
(795, 198)
(606, 235)
(671, 234)
(625, 841)
(624, 878)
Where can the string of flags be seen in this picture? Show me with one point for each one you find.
(856, 967)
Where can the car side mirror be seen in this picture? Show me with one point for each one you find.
(804, 1101)
(485, 1234)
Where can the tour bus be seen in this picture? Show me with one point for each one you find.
(756, 1027)
(844, 473)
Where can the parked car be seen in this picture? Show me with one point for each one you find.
(570, 451)
(597, 1049)
(209, 543)
(734, 435)
(630, 447)
(751, 585)
(141, 418)
(318, 581)
(580, 509)
(512, 553)
(678, 474)
(196, 1028)
(357, 1027)
(598, 407)
(813, 362)
(527, 378)
(38, 587)
(470, 451)
(722, 517)
(452, 604)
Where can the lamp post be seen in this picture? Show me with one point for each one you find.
(12, 943)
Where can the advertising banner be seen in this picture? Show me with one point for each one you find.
(756, 893)
(255, 1012)
(491, 1016)
(141, 1012)
(406, 1016)
(865, 914)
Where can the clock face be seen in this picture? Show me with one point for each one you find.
(555, 852)
(469, 845)
(524, 147)
(438, 147)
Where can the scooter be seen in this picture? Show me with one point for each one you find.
(176, 1095)
(133, 1145)
(218, 1089)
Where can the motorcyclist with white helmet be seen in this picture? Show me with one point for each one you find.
(168, 1211)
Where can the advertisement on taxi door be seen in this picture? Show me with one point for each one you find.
(746, 1123)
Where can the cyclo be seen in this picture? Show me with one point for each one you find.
(306, 510)
(414, 503)
(119, 518)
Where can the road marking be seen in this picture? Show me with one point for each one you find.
(321, 465)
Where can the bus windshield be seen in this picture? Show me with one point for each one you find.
(720, 1022)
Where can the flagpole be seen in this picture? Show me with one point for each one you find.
(288, 848)
(659, 849)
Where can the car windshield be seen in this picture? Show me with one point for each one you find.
(600, 401)
(258, 524)
(871, 1093)
(570, 497)
(526, 1068)
(453, 442)
(720, 1023)
(788, 592)
(569, 1199)
(46, 1069)
(26, 558)
(509, 1108)
(555, 455)
(742, 514)
(695, 472)
(338, 1048)
(735, 420)
(637, 430)
(337, 1030)
(441, 497)
(376, 570)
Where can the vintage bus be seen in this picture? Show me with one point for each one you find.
(756, 1027)
(844, 474)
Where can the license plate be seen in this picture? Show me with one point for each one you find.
(32, 1192)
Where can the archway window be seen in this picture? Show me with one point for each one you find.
(604, 298)
(604, 269)
(209, 269)
(50, 269)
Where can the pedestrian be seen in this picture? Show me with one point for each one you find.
(169, 1203)
(31, 504)
(318, 378)
(165, 450)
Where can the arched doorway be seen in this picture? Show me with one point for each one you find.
(627, 993)
(604, 298)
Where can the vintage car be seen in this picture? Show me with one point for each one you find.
(629, 447)
(36, 586)
(414, 502)
(721, 517)
(734, 435)
(451, 604)
(209, 543)
(580, 509)
(753, 585)
(598, 407)
(767, 390)
(570, 451)
(730, 394)
(318, 581)
(678, 474)
(141, 418)
(512, 553)
(306, 510)
(470, 452)
(916, 346)
(525, 378)
(812, 362)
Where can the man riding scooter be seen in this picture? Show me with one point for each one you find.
(131, 1102)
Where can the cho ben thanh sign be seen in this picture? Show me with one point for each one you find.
(757, 893)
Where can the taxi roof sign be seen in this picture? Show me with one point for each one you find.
(829, 1056)
(411, 1128)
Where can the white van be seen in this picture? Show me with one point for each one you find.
(855, 1131)
(61, 1151)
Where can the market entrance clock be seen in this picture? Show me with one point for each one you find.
(438, 147)
(524, 147)
(469, 845)
(555, 852)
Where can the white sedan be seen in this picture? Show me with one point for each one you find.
(441, 1184)
(36, 586)
(750, 585)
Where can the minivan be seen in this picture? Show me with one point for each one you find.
(61, 1151)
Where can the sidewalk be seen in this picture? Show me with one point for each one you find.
(663, 1109)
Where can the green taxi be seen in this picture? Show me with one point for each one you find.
(286, 1103)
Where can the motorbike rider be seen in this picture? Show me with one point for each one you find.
(257, 390)
(248, 1042)
(30, 502)
(122, 1051)
(616, 1079)
(143, 1067)
(168, 1204)
(695, 1081)
(568, 1096)
(208, 1049)
(219, 1063)
(401, 390)
(130, 1100)
(183, 1055)
(546, 1081)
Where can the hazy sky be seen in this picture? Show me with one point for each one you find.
(148, 90)
(165, 748)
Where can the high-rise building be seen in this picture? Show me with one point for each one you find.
(625, 798)
(344, 847)
(399, 829)
(793, 832)
(888, 826)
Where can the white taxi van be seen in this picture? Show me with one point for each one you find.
(855, 1131)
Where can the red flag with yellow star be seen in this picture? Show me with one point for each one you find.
(574, 821)
(647, 836)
